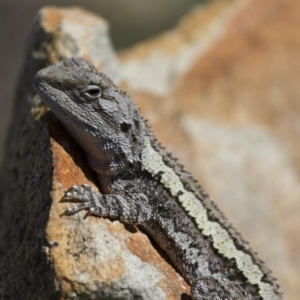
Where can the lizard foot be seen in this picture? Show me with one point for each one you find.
(133, 209)
(88, 200)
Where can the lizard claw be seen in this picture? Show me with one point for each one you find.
(78, 194)
(86, 197)
(89, 212)
(74, 209)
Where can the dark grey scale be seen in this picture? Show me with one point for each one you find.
(159, 229)
(214, 214)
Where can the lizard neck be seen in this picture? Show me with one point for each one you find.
(102, 156)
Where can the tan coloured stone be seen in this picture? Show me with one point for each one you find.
(45, 255)
(221, 92)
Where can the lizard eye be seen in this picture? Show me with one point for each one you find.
(91, 92)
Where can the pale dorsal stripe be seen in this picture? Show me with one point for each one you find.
(153, 163)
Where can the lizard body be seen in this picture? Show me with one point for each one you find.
(143, 185)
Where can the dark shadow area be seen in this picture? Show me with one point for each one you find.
(186, 297)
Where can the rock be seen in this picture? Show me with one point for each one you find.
(44, 255)
(220, 91)
(230, 111)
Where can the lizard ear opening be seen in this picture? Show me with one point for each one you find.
(125, 127)
(91, 92)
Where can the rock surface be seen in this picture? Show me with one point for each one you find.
(221, 93)
(44, 255)
(231, 114)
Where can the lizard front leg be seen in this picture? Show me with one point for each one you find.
(130, 206)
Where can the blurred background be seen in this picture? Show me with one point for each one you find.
(130, 21)
(222, 93)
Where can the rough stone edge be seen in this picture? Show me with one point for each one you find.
(27, 260)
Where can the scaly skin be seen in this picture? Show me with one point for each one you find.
(143, 185)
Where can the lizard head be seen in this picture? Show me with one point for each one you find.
(101, 118)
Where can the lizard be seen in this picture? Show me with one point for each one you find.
(143, 185)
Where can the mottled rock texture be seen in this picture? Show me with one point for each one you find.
(231, 114)
(221, 92)
(44, 255)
